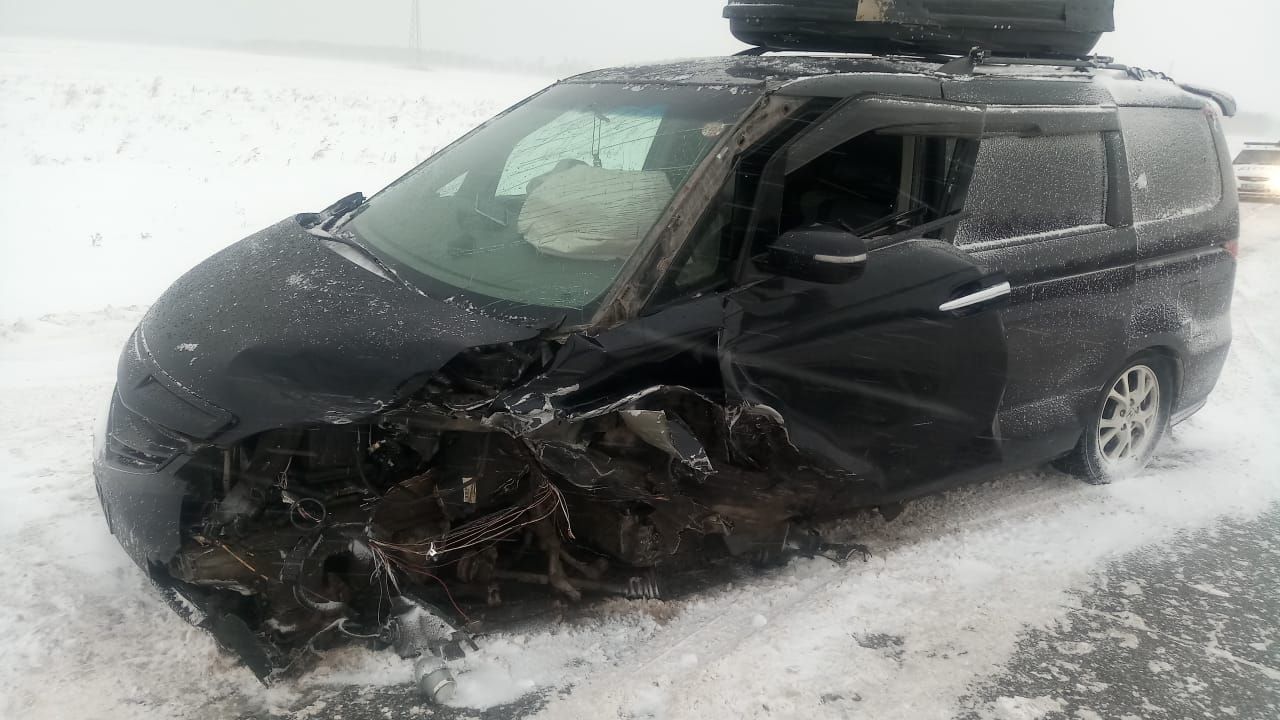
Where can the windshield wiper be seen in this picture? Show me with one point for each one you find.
(363, 256)
(322, 223)
(344, 207)
(347, 206)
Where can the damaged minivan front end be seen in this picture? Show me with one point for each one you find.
(496, 472)
(323, 432)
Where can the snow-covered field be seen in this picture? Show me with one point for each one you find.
(121, 166)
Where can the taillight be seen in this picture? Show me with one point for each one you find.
(1233, 247)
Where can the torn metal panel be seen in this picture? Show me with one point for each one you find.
(669, 435)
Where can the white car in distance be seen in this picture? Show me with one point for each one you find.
(1258, 172)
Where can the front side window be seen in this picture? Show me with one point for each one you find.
(1025, 186)
(855, 184)
(534, 214)
(875, 184)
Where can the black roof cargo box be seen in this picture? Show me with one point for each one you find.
(1040, 28)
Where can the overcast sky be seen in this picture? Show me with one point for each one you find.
(1226, 46)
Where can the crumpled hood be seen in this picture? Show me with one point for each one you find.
(279, 330)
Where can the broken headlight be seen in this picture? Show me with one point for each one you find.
(134, 443)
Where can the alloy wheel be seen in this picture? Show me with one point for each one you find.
(1129, 417)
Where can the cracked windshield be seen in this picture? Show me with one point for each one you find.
(542, 206)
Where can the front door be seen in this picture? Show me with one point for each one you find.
(896, 375)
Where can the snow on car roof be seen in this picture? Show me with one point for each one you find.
(771, 70)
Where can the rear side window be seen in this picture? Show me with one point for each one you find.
(1032, 185)
(1173, 162)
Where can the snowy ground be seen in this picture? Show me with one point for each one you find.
(119, 167)
(127, 165)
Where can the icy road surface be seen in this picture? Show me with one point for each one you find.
(1031, 596)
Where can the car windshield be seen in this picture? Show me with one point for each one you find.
(1258, 157)
(533, 215)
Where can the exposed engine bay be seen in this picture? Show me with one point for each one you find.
(451, 505)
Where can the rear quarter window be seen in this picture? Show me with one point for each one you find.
(1173, 162)
(1026, 186)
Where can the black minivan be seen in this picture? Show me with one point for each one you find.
(655, 313)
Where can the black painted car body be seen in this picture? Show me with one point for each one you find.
(312, 420)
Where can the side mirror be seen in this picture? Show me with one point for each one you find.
(818, 253)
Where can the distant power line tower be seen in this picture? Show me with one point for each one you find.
(415, 30)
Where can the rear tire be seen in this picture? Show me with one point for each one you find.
(1125, 424)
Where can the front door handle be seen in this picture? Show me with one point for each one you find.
(978, 297)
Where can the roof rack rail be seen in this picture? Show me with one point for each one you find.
(758, 50)
(978, 56)
(981, 56)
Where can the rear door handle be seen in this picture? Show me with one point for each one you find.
(978, 297)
